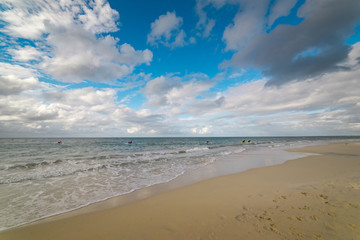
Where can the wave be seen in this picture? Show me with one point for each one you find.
(197, 149)
(78, 163)
(55, 169)
(59, 173)
(30, 165)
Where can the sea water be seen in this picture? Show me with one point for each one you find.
(40, 177)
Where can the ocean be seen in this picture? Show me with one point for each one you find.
(40, 177)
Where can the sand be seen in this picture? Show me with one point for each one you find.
(315, 197)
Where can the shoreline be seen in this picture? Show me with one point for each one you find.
(115, 208)
(226, 165)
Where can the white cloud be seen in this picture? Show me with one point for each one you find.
(26, 53)
(78, 111)
(167, 30)
(27, 19)
(200, 130)
(78, 55)
(327, 105)
(10, 85)
(174, 95)
(324, 106)
(7, 69)
(132, 57)
(133, 130)
(81, 97)
(99, 17)
(66, 31)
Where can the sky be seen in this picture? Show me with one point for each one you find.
(194, 68)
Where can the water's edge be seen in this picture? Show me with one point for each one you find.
(222, 166)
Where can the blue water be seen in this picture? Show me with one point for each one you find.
(39, 177)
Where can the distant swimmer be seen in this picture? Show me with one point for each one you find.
(130, 142)
(249, 141)
(243, 141)
(59, 142)
(207, 142)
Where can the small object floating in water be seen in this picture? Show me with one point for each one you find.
(59, 142)
(130, 142)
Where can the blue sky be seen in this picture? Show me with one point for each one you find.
(138, 68)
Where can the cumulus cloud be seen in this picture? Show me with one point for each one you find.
(324, 105)
(312, 48)
(67, 31)
(167, 30)
(172, 94)
(78, 54)
(11, 84)
(26, 53)
(7, 69)
(27, 19)
(99, 17)
(200, 130)
(72, 112)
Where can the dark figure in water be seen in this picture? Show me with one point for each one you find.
(207, 142)
(130, 142)
(243, 141)
(249, 141)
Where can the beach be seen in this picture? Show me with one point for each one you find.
(314, 197)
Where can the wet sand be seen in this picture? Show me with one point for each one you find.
(315, 197)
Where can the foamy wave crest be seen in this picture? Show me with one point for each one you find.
(29, 165)
(197, 149)
(50, 174)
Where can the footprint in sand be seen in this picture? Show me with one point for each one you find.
(305, 194)
(354, 186)
(323, 196)
(242, 217)
(305, 208)
(352, 227)
(273, 228)
(283, 197)
(329, 203)
(353, 205)
(313, 217)
(291, 218)
(318, 237)
(331, 214)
